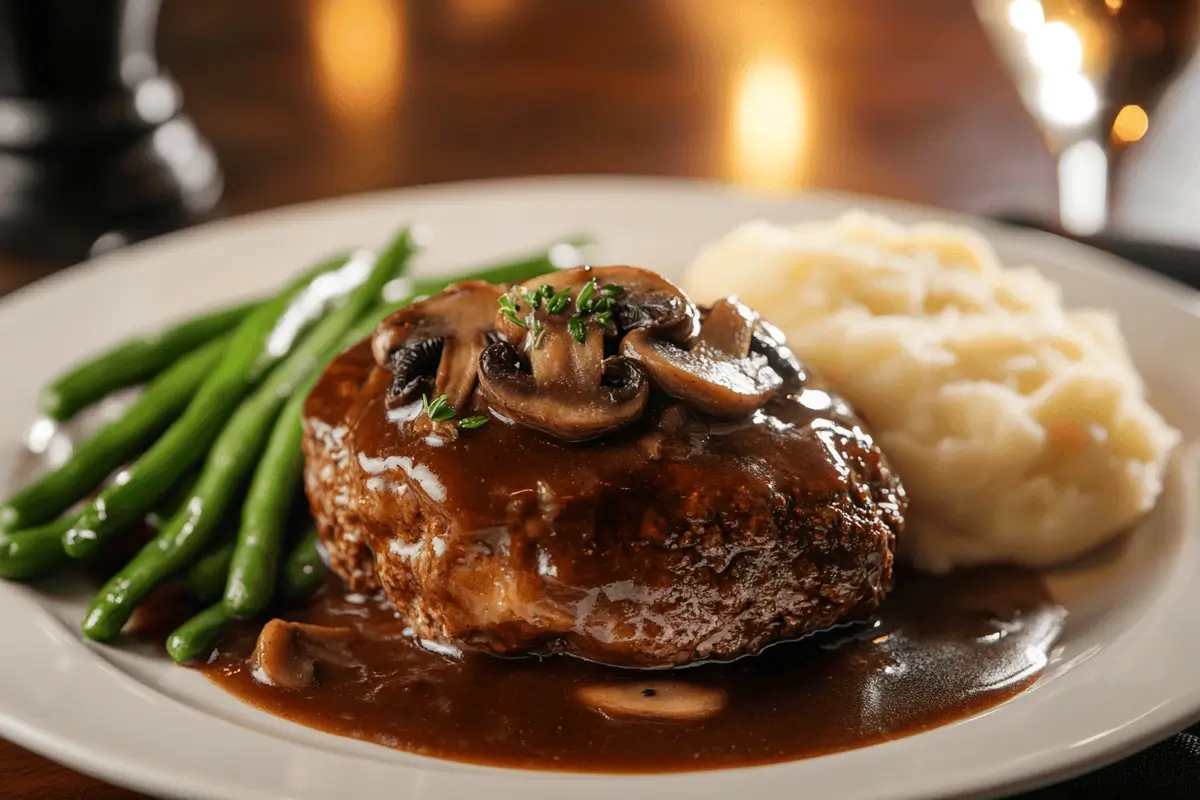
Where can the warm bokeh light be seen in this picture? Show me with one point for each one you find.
(481, 15)
(1114, 5)
(1026, 15)
(772, 119)
(359, 53)
(1055, 49)
(1060, 90)
(768, 125)
(1131, 124)
(1068, 100)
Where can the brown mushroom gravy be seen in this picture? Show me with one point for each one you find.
(941, 649)
(677, 539)
(653, 485)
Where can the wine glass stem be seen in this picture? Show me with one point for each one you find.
(1085, 181)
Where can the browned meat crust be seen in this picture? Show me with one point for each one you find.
(677, 540)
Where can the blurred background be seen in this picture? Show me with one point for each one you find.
(123, 119)
(983, 107)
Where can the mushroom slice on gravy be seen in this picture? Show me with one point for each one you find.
(673, 701)
(287, 652)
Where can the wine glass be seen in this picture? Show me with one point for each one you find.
(1091, 73)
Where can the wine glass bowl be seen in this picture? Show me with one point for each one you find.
(1091, 73)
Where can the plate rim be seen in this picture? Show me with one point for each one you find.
(1177, 295)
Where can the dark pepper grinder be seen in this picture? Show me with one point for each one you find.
(94, 148)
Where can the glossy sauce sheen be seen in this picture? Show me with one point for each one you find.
(678, 539)
(942, 648)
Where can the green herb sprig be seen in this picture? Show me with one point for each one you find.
(583, 303)
(440, 410)
(557, 302)
(535, 298)
(509, 309)
(593, 299)
(576, 328)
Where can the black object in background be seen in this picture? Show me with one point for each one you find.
(93, 143)
(1177, 262)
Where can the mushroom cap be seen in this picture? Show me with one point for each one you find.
(568, 409)
(647, 300)
(541, 351)
(719, 374)
(432, 347)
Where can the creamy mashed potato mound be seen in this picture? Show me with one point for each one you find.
(1020, 429)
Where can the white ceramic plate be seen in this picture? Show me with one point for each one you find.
(1125, 674)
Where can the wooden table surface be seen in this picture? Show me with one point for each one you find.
(306, 100)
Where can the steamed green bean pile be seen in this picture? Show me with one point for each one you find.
(209, 452)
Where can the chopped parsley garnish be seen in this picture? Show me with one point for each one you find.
(471, 423)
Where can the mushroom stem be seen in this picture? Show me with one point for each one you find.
(457, 372)
(571, 391)
(563, 362)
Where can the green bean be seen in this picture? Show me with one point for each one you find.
(233, 456)
(252, 573)
(507, 272)
(206, 578)
(133, 361)
(302, 573)
(196, 636)
(252, 352)
(34, 552)
(303, 569)
(114, 444)
(251, 581)
(170, 504)
(520, 269)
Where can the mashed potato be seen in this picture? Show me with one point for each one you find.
(1020, 429)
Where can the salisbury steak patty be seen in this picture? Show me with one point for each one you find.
(694, 497)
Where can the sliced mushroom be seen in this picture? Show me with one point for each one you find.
(432, 347)
(287, 652)
(563, 387)
(719, 373)
(672, 701)
(646, 300)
